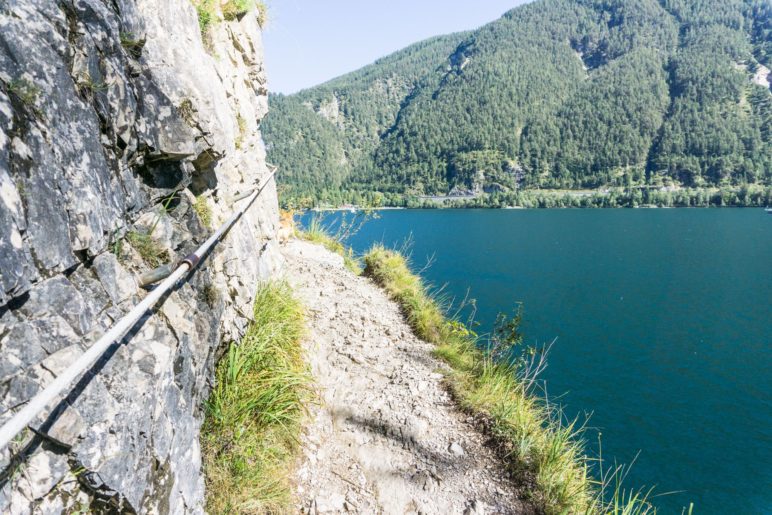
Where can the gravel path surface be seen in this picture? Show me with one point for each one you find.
(386, 436)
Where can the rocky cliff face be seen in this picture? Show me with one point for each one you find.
(116, 118)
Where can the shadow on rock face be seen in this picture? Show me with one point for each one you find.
(104, 498)
(163, 174)
(204, 177)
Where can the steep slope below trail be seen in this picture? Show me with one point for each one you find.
(386, 437)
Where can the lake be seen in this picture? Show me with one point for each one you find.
(663, 320)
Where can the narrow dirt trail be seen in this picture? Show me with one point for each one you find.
(386, 437)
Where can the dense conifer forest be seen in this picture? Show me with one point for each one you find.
(559, 102)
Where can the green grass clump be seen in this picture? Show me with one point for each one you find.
(88, 84)
(207, 14)
(541, 446)
(152, 252)
(233, 9)
(202, 209)
(132, 44)
(25, 91)
(28, 94)
(317, 233)
(254, 414)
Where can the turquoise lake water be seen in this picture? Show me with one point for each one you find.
(663, 320)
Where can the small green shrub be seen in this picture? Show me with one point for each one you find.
(253, 419)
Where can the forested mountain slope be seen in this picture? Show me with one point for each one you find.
(319, 136)
(555, 94)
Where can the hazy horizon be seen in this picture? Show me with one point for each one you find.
(308, 43)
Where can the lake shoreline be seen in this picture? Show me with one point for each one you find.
(356, 209)
(640, 198)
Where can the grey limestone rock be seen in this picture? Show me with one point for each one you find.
(113, 118)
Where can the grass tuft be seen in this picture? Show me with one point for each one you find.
(187, 112)
(152, 252)
(235, 9)
(207, 15)
(317, 233)
(132, 44)
(209, 12)
(202, 209)
(26, 92)
(211, 295)
(541, 446)
(242, 124)
(262, 13)
(254, 413)
(88, 84)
